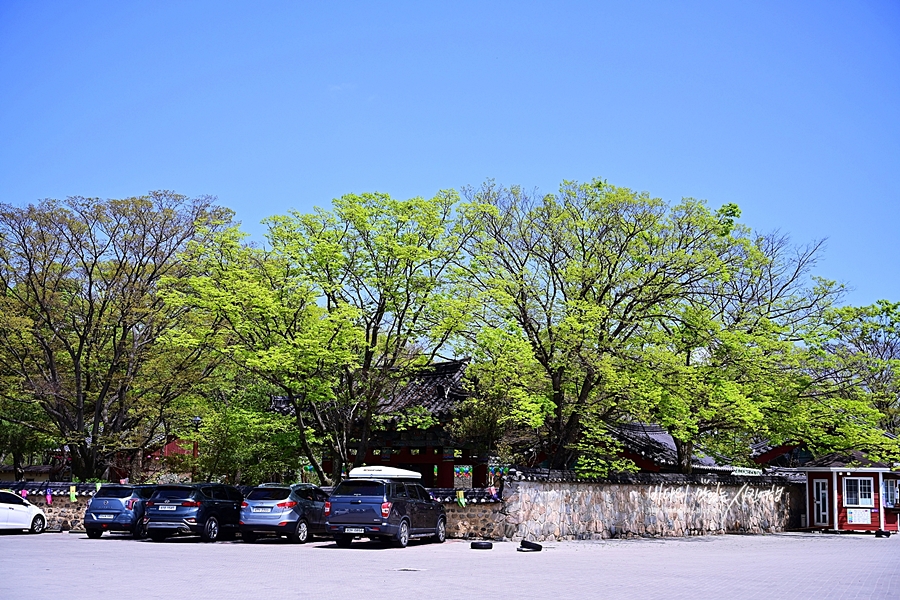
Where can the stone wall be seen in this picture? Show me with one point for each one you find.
(548, 511)
(474, 520)
(62, 513)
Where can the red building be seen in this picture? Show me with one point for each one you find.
(849, 492)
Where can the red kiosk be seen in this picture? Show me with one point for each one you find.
(849, 492)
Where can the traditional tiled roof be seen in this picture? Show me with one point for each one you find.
(438, 388)
(853, 458)
(655, 444)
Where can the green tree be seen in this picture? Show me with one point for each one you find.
(81, 279)
(583, 275)
(388, 263)
(867, 340)
(259, 311)
(728, 363)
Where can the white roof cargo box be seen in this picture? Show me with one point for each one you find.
(382, 473)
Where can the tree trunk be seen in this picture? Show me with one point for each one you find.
(685, 452)
(18, 470)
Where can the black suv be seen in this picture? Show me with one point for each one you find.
(117, 508)
(387, 510)
(209, 509)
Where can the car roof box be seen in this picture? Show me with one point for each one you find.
(382, 473)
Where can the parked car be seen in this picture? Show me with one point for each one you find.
(117, 508)
(210, 510)
(297, 512)
(385, 504)
(18, 513)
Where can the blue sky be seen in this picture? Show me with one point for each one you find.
(789, 109)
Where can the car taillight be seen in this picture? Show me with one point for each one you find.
(151, 503)
(385, 509)
(327, 508)
(244, 505)
(288, 504)
(129, 504)
(190, 503)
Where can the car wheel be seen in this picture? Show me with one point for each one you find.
(249, 536)
(157, 536)
(37, 524)
(139, 532)
(94, 534)
(301, 534)
(210, 532)
(402, 539)
(481, 545)
(343, 541)
(440, 532)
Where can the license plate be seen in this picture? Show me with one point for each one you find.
(168, 508)
(105, 516)
(261, 509)
(354, 530)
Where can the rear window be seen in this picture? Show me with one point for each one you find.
(173, 493)
(113, 492)
(268, 493)
(359, 488)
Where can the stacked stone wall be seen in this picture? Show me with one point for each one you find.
(475, 520)
(62, 513)
(548, 511)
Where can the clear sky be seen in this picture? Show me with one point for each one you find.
(789, 109)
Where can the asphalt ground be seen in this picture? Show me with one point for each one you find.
(786, 566)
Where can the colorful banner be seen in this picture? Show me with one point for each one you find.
(71, 493)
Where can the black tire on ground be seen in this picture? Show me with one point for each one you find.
(157, 536)
(94, 534)
(139, 532)
(210, 531)
(481, 545)
(531, 546)
(440, 531)
(249, 536)
(343, 541)
(301, 533)
(402, 538)
(37, 525)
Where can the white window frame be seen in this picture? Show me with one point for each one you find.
(861, 501)
(890, 493)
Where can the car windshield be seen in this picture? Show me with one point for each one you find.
(269, 494)
(359, 488)
(172, 493)
(113, 492)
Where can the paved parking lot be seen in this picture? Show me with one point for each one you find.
(775, 566)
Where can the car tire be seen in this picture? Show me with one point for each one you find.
(139, 532)
(401, 540)
(94, 534)
(531, 546)
(481, 546)
(440, 531)
(158, 536)
(301, 533)
(343, 541)
(38, 523)
(249, 536)
(210, 531)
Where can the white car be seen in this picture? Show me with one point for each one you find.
(18, 513)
